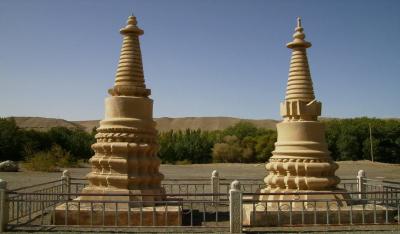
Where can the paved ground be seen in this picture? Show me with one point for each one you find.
(227, 170)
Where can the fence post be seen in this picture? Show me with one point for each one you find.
(215, 186)
(3, 206)
(361, 188)
(66, 183)
(235, 208)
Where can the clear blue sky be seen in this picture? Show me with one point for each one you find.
(201, 58)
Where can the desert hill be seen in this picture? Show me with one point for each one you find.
(207, 123)
(43, 124)
(163, 124)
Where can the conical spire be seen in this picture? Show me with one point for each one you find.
(299, 85)
(129, 80)
(300, 103)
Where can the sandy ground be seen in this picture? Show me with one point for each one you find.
(347, 169)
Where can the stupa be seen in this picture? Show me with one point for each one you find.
(301, 164)
(125, 166)
(301, 161)
(301, 185)
(125, 159)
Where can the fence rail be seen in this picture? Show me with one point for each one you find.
(301, 212)
(95, 213)
(198, 204)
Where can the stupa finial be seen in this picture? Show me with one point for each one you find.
(298, 37)
(131, 27)
(298, 21)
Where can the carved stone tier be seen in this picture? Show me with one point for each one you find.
(301, 159)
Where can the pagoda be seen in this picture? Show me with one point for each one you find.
(125, 159)
(124, 183)
(301, 161)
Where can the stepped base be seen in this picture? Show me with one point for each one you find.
(353, 214)
(144, 197)
(98, 214)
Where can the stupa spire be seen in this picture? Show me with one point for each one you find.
(300, 99)
(129, 79)
(299, 85)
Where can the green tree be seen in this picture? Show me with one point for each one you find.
(265, 145)
(75, 141)
(189, 146)
(241, 130)
(35, 141)
(332, 133)
(224, 152)
(349, 139)
(10, 144)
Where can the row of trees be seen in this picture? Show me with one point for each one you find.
(348, 139)
(18, 144)
(240, 143)
(190, 146)
(244, 143)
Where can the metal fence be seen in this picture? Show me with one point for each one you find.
(215, 204)
(342, 210)
(122, 213)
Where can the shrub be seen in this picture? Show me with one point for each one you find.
(51, 160)
(42, 161)
(224, 152)
(183, 162)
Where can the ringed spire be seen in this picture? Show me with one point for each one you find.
(299, 86)
(129, 79)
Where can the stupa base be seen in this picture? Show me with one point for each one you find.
(110, 214)
(287, 199)
(143, 197)
(351, 214)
